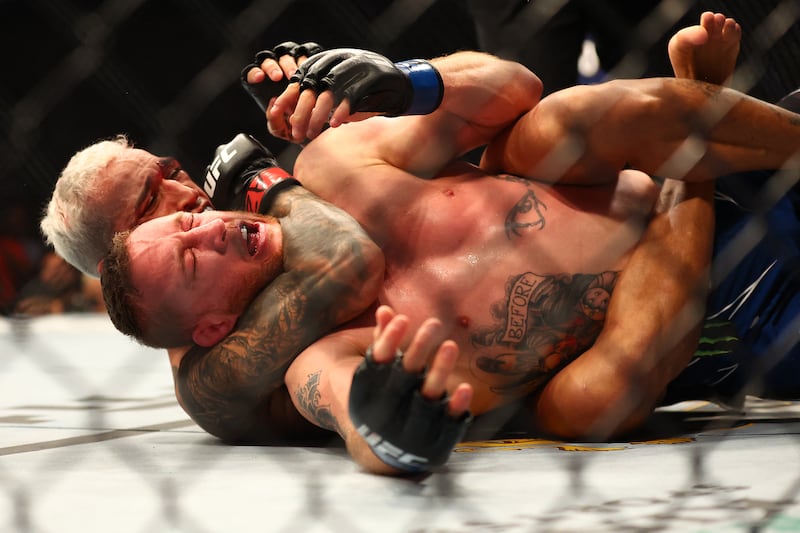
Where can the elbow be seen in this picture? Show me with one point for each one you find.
(595, 425)
(530, 87)
(595, 409)
(534, 88)
(225, 430)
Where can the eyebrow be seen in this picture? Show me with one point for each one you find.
(166, 166)
(180, 252)
(145, 192)
(181, 256)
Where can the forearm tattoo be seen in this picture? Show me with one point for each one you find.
(228, 390)
(542, 323)
(308, 400)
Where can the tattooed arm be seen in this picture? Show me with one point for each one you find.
(319, 382)
(651, 329)
(404, 406)
(332, 273)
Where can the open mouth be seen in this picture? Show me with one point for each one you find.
(250, 236)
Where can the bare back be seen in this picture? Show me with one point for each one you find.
(519, 272)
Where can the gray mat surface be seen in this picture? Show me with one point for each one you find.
(91, 439)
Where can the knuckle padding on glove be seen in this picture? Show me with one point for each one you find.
(372, 83)
(404, 429)
(307, 49)
(263, 92)
(285, 48)
(263, 55)
(317, 67)
(390, 382)
(369, 86)
(431, 418)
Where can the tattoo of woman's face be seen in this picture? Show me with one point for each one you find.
(528, 212)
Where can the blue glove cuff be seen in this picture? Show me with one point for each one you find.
(426, 84)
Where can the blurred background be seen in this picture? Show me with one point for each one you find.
(166, 72)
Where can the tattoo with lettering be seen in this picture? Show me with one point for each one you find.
(543, 323)
(308, 398)
(528, 212)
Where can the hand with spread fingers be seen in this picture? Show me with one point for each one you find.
(268, 76)
(332, 87)
(398, 400)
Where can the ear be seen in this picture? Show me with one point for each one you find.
(100, 267)
(212, 328)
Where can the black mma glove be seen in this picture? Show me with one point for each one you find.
(372, 83)
(402, 428)
(244, 176)
(263, 92)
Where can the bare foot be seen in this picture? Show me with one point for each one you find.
(708, 51)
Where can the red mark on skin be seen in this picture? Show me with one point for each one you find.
(463, 321)
(448, 192)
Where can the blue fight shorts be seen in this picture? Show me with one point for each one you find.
(751, 338)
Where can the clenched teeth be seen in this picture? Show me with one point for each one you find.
(249, 234)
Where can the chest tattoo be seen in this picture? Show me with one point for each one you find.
(528, 212)
(542, 323)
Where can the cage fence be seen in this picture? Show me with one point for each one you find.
(167, 73)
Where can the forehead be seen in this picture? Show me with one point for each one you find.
(152, 245)
(128, 170)
(130, 159)
(156, 228)
(127, 176)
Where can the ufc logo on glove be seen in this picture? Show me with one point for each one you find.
(212, 175)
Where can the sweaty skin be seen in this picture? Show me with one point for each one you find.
(518, 278)
(535, 299)
(235, 389)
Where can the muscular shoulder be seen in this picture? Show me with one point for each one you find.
(341, 148)
(414, 144)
